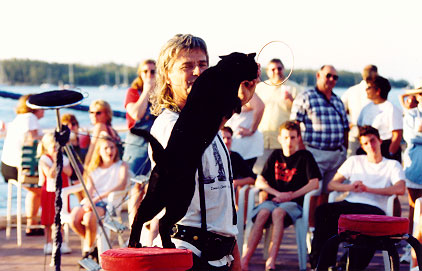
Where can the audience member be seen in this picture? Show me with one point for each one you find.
(242, 172)
(23, 130)
(100, 114)
(47, 170)
(246, 140)
(412, 158)
(106, 173)
(408, 99)
(138, 116)
(326, 127)
(372, 180)
(354, 99)
(384, 116)
(181, 61)
(79, 137)
(287, 176)
(278, 99)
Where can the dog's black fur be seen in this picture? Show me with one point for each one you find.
(214, 95)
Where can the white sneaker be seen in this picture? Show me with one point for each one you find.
(65, 249)
(48, 248)
(406, 257)
(416, 268)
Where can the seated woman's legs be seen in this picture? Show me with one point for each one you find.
(84, 223)
(32, 205)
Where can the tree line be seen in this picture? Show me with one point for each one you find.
(33, 72)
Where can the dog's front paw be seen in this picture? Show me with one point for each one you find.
(134, 244)
(168, 245)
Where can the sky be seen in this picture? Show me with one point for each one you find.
(346, 34)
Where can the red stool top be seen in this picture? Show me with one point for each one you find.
(373, 225)
(146, 258)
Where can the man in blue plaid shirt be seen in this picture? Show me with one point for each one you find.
(326, 127)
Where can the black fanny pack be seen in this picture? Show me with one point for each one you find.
(213, 246)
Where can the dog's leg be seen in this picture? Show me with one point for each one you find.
(165, 227)
(148, 209)
(173, 214)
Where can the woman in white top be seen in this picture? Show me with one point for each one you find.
(105, 173)
(23, 130)
(247, 140)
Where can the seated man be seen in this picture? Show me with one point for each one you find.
(287, 176)
(242, 173)
(373, 179)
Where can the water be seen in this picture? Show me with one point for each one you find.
(114, 96)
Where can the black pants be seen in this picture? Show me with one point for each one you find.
(201, 265)
(9, 172)
(326, 226)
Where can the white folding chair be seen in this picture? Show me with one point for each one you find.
(113, 198)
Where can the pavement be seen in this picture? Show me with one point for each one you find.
(30, 256)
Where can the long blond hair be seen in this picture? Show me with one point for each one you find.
(46, 140)
(163, 95)
(21, 107)
(96, 160)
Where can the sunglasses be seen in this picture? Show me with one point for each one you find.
(74, 123)
(150, 71)
(329, 75)
(95, 112)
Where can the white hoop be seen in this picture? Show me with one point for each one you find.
(293, 61)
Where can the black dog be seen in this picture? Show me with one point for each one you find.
(214, 96)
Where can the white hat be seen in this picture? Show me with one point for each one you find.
(417, 89)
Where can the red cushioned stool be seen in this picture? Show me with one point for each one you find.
(377, 232)
(146, 258)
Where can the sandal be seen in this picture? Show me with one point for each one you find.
(92, 255)
(35, 232)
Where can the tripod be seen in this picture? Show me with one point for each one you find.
(56, 100)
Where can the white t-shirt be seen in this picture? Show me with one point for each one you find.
(15, 138)
(354, 99)
(105, 179)
(383, 174)
(218, 195)
(51, 182)
(276, 109)
(384, 116)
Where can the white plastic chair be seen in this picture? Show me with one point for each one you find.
(334, 195)
(416, 220)
(301, 225)
(27, 174)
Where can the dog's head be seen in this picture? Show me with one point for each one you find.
(242, 66)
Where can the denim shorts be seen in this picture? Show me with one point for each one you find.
(293, 210)
(101, 204)
(136, 154)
